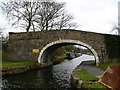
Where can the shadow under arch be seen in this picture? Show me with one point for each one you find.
(46, 52)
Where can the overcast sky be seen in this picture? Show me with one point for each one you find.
(91, 15)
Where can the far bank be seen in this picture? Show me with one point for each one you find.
(15, 67)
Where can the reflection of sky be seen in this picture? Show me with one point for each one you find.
(91, 15)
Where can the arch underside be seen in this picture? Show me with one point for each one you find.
(46, 53)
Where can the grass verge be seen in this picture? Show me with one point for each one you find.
(89, 80)
(105, 65)
(6, 64)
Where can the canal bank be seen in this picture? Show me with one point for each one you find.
(15, 67)
(86, 75)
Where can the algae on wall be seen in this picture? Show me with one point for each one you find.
(113, 46)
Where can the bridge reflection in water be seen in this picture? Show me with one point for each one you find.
(57, 76)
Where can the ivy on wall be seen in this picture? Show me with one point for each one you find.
(113, 46)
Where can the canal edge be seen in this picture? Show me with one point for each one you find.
(77, 82)
(22, 69)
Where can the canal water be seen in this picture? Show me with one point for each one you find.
(57, 76)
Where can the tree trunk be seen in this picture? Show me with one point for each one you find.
(46, 25)
(29, 24)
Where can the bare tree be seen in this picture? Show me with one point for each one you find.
(3, 35)
(65, 21)
(49, 13)
(21, 13)
(52, 15)
(116, 28)
(38, 15)
(1, 30)
(0, 35)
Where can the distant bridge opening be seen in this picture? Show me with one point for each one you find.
(47, 51)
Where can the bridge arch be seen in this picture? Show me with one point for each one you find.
(46, 51)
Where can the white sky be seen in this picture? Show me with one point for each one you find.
(92, 15)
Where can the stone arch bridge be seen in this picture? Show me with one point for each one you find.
(104, 47)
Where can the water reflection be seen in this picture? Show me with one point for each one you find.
(51, 77)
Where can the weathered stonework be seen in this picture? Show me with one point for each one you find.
(21, 44)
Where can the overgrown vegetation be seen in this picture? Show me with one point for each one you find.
(113, 46)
